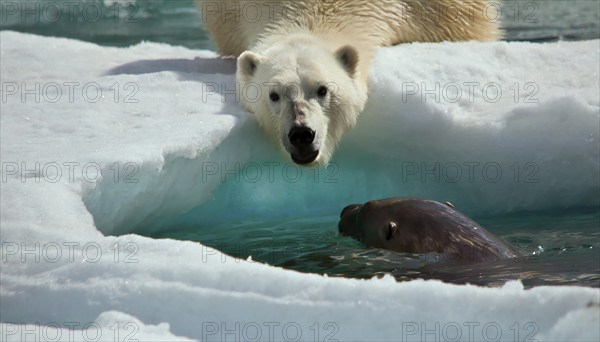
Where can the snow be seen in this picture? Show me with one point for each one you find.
(173, 131)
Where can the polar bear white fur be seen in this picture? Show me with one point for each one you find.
(303, 64)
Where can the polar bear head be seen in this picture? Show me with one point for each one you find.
(304, 93)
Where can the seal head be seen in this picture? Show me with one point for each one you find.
(412, 225)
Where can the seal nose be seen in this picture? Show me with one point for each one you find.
(301, 136)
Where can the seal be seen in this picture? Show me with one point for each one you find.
(419, 226)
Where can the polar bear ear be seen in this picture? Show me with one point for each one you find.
(348, 56)
(247, 63)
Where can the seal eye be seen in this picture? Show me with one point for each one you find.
(322, 91)
(392, 228)
(274, 97)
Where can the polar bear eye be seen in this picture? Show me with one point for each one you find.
(322, 91)
(274, 97)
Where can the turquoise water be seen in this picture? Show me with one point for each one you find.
(103, 22)
(556, 248)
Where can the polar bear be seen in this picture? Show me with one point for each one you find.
(303, 64)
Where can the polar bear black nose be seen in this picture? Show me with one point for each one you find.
(301, 136)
